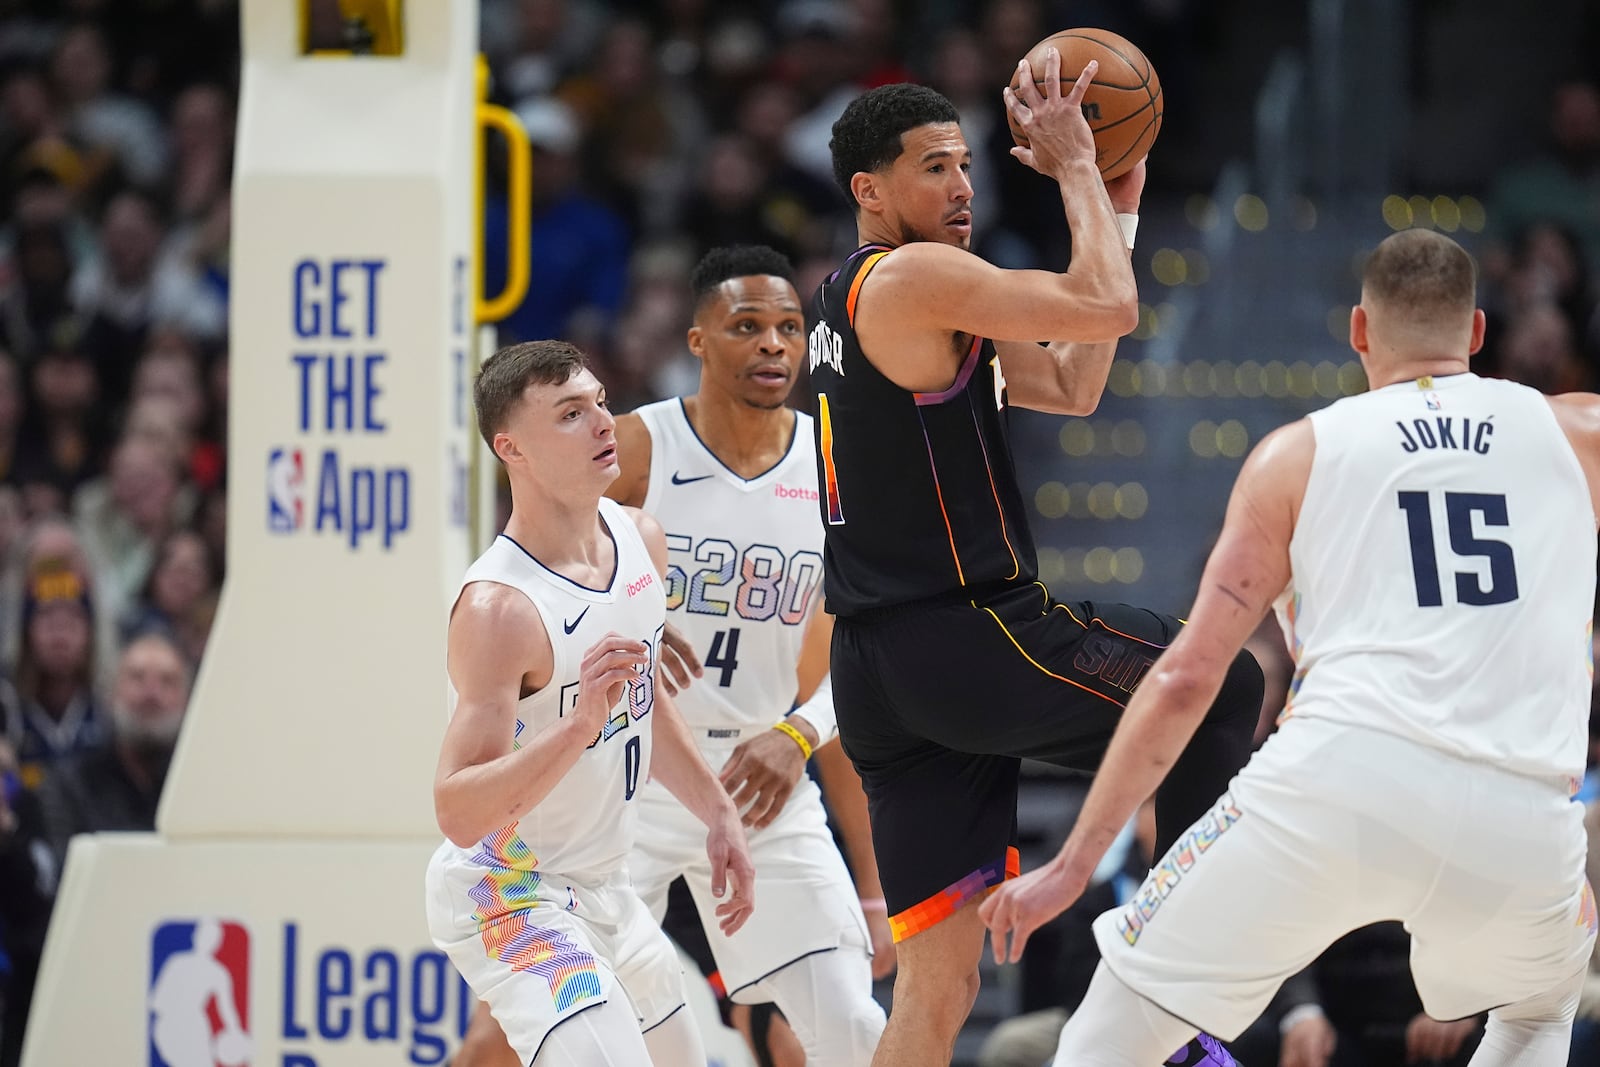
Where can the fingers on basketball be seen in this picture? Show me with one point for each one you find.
(1122, 103)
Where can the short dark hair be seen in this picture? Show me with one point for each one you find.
(867, 136)
(736, 261)
(505, 375)
(1423, 274)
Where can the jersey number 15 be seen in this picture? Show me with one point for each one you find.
(1459, 509)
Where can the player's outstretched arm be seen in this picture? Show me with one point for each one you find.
(677, 764)
(496, 640)
(1247, 570)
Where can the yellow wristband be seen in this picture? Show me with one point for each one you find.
(799, 738)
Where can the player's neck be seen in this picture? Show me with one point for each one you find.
(748, 441)
(874, 232)
(1409, 370)
(565, 535)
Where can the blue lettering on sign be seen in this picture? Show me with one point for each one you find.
(458, 297)
(337, 301)
(458, 487)
(340, 390)
(346, 388)
(352, 499)
(417, 1001)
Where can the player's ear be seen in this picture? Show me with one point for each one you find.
(697, 342)
(1479, 325)
(864, 185)
(1358, 330)
(506, 448)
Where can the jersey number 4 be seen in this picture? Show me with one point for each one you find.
(1459, 510)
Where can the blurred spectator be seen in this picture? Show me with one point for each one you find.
(60, 444)
(168, 380)
(125, 515)
(650, 357)
(735, 201)
(535, 44)
(644, 130)
(132, 286)
(202, 151)
(1538, 349)
(11, 413)
(52, 711)
(1563, 185)
(822, 56)
(36, 309)
(580, 274)
(123, 136)
(115, 784)
(1547, 268)
(30, 123)
(180, 598)
(808, 210)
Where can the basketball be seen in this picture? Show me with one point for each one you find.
(233, 1048)
(1123, 103)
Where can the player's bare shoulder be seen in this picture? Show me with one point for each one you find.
(1276, 472)
(496, 627)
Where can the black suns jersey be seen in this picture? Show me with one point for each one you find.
(919, 492)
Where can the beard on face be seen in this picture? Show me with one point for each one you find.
(909, 234)
(145, 735)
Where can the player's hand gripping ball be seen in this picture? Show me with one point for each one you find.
(1123, 104)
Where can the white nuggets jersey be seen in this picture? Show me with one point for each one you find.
(1444, 574)
(744, 569)
(585, 826)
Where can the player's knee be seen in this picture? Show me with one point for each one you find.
(1238, 703)
(944, 1003)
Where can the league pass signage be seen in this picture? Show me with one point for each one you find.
(312, 1001)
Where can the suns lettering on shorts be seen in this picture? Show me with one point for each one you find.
(1181, 858)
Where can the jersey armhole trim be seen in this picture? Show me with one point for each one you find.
(855, 286)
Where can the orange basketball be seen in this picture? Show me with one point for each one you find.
(1122, 104)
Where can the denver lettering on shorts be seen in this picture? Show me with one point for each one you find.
(1165, 876)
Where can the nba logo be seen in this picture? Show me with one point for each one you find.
(286, 479)
(199, 1001)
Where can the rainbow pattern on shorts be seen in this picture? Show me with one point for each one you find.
(1588, 916)
(951, 899)
(503, 902)
(505, 848)
(568, 970)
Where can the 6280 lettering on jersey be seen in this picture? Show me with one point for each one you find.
(765, 581)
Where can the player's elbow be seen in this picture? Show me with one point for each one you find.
(1183, 686)
(457, 824)
(1109, 312)
(1081, 399)
(1121, 310)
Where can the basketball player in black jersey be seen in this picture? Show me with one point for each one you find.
(950, 661)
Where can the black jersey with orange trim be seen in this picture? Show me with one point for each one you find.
(919, 492)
